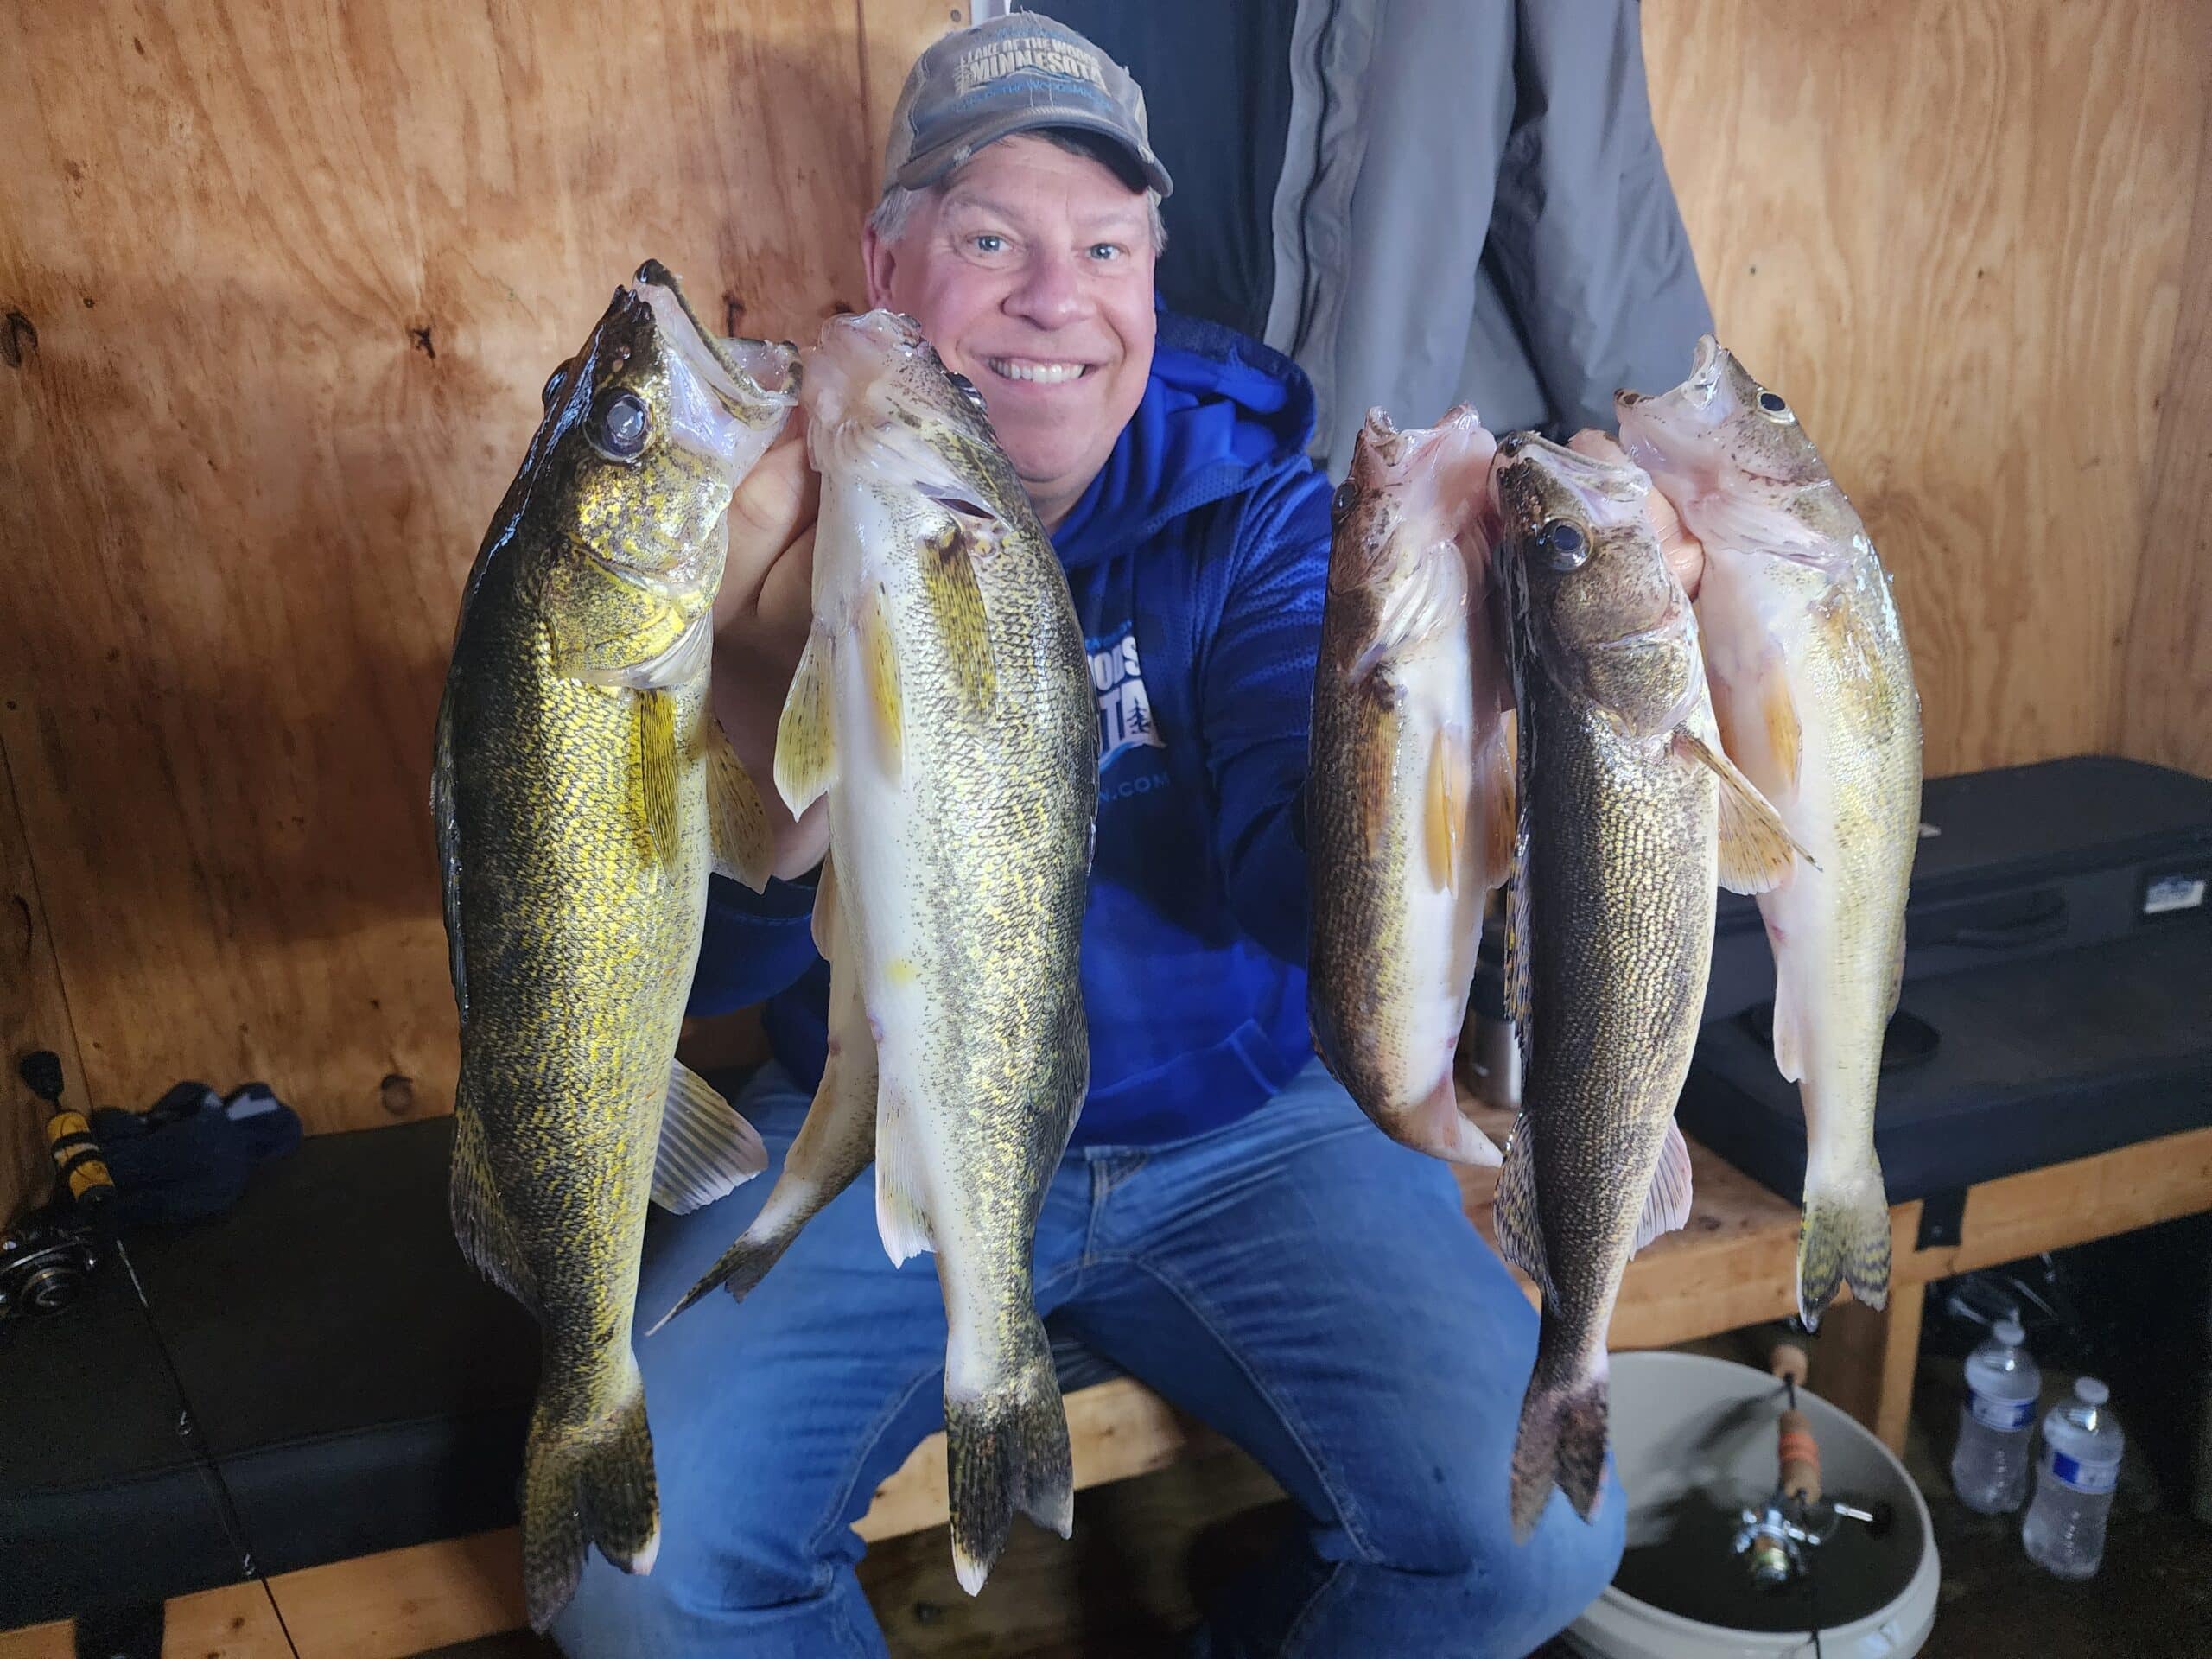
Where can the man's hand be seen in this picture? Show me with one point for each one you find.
(1684, 553)
(761, 617)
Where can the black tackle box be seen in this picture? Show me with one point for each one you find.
(2057, 997)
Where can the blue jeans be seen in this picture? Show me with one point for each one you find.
(1306, 1286)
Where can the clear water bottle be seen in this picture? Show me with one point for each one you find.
(1997, 1422)
(2064, 1533)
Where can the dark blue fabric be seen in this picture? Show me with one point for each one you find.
(191, 1153)
(1197, 559)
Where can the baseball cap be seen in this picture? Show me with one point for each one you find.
(1014, 74)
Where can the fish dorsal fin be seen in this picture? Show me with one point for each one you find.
(654, 724)
(706, 1150)
(737, 821)
(1512, 597)
(446, 823)
(1756, 849)
(886, 699)
(1667, 1205)
(806, 733)
(955, 603)
(1520, 1229)
(901, 1210)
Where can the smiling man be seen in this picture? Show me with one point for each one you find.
(1227, 1225)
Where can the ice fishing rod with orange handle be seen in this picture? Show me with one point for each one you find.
(78, 1167)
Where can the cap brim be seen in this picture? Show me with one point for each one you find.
(926, 166)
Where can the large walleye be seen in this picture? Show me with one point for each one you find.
(1410, 812)
(943, 702)
(1815, 693)
(1629, 810)
(580, 793)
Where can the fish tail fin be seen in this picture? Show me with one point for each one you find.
(1007, 1450)
(1843, 1239)
(1561, 1441)
(587, 1482)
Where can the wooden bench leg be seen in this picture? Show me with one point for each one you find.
(1863, 1361)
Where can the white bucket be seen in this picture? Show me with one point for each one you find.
(1694, 1440)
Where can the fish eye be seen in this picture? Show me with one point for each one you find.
(1341, 504)
(1563, 545)
(618, 426)
(1773, 408)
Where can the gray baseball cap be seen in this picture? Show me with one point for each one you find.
(1014, 74)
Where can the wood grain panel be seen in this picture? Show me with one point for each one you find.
(295, 273)
(1952, 235)
(2167, 688)
(33, 1015)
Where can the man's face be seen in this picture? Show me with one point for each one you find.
(1031, 273)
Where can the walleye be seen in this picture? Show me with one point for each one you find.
(580, 793)
(944, 702)
(1814, 691)
(1411, 812)
(1628, 811)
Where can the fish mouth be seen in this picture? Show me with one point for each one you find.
(754, 378)
(1530, 467)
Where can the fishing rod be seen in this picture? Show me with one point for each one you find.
(49, 1260)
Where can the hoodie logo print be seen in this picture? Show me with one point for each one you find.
(1124, 709)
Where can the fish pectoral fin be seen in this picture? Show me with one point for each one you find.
(481, 1223)
(1756, 848)
(806, 734)
(707, 1150)
(737, 821)
(1377, 767)
(886, 695)
(1667, 1206)
(1493, 815)
(654, 725)
(446, 823)
(1520, 1229)
(901, 1217)
(956, 602)
(1757, 713)
(1444, 806)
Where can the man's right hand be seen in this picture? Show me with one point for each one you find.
(761, 619)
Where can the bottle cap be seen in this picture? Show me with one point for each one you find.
(2008, 1331)
(2091, 1392)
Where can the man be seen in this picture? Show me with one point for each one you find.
(1227, 1225)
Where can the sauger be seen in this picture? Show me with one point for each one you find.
(581, 793)
(1409, 809)
(1628, 811)
(1814, 689)
(943, 702)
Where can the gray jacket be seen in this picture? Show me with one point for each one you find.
(1473, 205)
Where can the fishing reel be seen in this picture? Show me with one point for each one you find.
(52, 1251)
(1776, 1536)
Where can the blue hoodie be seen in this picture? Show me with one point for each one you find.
(1197, 559)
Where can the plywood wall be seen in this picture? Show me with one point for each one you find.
(1953, 230)
(280, 280)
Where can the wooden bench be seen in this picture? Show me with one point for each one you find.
(1733, 1265)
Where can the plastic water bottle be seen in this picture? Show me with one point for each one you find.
(2064, 1533)
(1997, 1422)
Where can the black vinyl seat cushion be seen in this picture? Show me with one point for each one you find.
(360, 1388)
